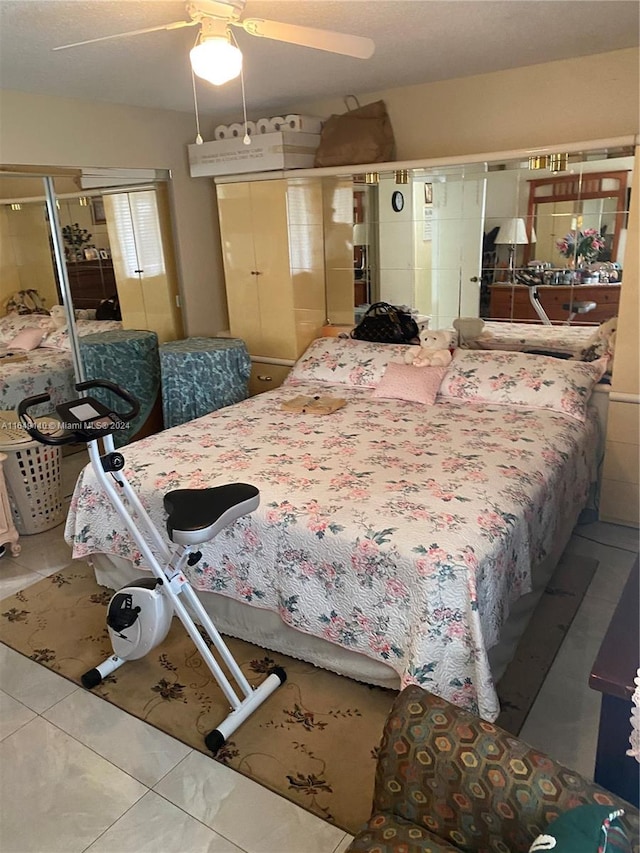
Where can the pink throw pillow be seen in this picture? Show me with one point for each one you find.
(27, 339)
(406, 382)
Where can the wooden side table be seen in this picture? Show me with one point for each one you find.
(201, 375)
(336, 331)
(8, 532)
(130, 358)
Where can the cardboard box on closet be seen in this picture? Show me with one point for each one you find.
(267, 152)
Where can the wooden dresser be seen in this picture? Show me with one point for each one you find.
(511, 301)
(91, 282)
(613, 676)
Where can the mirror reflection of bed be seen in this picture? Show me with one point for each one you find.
(416, 257)
(121, 273)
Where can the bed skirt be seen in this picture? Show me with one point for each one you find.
(265, 629)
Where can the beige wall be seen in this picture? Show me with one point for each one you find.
(593, 97)
(63, 132)
(25, 257)
(537, 105)
(620, 493)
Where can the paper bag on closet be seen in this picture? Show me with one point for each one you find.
(361, 135)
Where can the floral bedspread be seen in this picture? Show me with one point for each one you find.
(44, 371)
(397, 530)
(528, 336)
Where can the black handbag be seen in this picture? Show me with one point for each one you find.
(386, 324)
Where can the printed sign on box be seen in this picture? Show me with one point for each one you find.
(268, 151)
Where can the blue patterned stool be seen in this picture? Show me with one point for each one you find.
(130, 358)
(200, 375)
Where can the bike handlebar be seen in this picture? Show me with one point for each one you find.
(118, 391)
(70, 436)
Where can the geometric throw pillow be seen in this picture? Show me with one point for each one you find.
(585, 829)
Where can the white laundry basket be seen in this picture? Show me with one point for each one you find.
(34, 479)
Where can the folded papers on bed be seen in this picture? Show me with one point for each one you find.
(316, 405)
(9, 356)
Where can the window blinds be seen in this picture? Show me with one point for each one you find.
(138, 233)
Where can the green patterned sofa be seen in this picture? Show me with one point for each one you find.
(449, 781)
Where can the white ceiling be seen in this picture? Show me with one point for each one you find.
(416, 41)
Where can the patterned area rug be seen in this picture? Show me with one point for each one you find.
(315, 740)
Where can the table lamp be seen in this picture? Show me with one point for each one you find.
(512, 233)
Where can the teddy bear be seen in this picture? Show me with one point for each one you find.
(601, 343)
(471, 332)
(58, 316)
(433, 350)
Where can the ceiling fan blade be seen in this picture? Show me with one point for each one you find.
(175, 26)
(356, 46)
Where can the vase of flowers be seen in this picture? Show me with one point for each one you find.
(76, 239)
(581, 247)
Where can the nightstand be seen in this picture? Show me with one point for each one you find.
(8, 532)
(201, 375)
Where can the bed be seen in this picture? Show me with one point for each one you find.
(524, 337)
(404, 537)
(47, 368)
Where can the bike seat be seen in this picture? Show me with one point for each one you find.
(196, 516)
(579, 307)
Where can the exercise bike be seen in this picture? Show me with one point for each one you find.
(139, 615)
(573, 307)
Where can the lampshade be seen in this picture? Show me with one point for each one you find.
(513, 232)
(216, 60)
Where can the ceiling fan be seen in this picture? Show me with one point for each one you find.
(217, 58)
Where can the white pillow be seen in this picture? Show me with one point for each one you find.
(343, 361)
(57, 340)
(522, 379)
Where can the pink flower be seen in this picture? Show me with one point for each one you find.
(395, 588)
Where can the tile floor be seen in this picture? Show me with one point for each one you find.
(78, 774)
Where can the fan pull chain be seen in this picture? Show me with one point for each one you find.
(199, 139)
(247, 138)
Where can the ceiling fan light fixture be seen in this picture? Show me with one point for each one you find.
(216, 60)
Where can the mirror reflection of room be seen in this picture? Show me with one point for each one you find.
(117, 246)
(116, 252)
(470, 240)
(556, 256)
